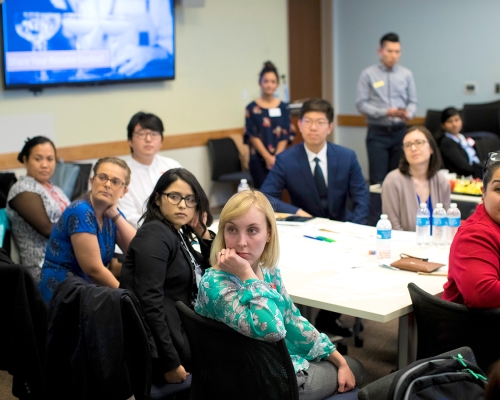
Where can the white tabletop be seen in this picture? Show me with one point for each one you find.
(343, 277)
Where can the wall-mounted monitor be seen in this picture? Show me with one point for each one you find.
(75, 42)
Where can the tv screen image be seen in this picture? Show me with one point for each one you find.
(64, 42)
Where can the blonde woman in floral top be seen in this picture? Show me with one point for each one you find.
(244, 290)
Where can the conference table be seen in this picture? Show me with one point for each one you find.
(344, 276)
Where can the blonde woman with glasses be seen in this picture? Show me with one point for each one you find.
(415, 181)
(82, 243)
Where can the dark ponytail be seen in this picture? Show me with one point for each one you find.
(269, 67)
(30, 143)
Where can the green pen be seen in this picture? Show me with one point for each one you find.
(325, 239)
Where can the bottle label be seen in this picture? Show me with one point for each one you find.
(423, 221)
(440, 221)
(454, 222)
(383, 234)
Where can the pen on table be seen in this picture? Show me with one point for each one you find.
(320, 238)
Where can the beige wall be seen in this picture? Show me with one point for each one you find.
(220, 50)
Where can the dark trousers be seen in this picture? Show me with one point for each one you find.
(383, 144)
(258, 170)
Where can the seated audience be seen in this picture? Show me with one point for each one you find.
(474, 265)
(244, 290)
(458, 153)
(417, 180)
(34, 204)
(320, 177)
(83, 241)
(162, 267)
(267, 125)
(145, 137)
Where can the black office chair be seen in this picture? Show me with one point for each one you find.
(229, 365)
(433, 123)
(225, 161)
(22, 335)
(443, 325)
(484, 117)
(379, 390)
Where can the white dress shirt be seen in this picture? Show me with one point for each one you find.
(323, 163)
(142, 183)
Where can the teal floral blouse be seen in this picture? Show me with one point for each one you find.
(262, 310)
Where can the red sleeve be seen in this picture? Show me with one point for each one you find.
(475, 265)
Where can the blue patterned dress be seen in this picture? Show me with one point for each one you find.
(262, 310)
(60, 260)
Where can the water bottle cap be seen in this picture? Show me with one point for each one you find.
(439, 205)
(423, 205)
(383, 216)
(453, 205)
(243, 181)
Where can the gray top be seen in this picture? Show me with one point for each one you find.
(380, 88)
(32, 244)
(399, 198)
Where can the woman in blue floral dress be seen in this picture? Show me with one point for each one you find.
(82, 242)
(245, 291)
(267, 126)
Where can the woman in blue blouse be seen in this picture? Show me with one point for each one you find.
(244, 290)
(82, 242)
(267, 128)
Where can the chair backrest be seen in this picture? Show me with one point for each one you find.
(65, 176)
(433, 123)
(227, 362)
(224, 157)
(443, 326)
(482, 117)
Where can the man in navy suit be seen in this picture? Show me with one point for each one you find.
(320, 177)
(295, 169)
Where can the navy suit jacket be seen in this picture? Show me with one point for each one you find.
(292, 171)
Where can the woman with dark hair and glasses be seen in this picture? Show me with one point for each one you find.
(415, 181)
(82, 243)
(34, 204)
(474, 264)
(162, 266)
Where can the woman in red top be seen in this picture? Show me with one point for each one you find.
(474, 265)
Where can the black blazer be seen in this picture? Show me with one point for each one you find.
(159, 272)
(455, 159)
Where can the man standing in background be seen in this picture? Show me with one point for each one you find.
(386, 94)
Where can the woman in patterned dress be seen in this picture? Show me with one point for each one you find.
(34, 204)
(244, 290)
(83, 241)
(267, 127)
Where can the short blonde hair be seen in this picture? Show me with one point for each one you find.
(239, 205)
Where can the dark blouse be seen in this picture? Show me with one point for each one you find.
(269, 129)
(159, 271)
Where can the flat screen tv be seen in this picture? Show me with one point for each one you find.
(75, 42)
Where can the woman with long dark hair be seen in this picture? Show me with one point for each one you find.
(162, 266)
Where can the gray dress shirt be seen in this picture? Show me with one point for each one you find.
(380, 88)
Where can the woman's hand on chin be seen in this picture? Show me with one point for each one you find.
(198, 227)
(177, 375)
(111, 211)
(230, 262)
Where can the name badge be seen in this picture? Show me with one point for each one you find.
(378, 84)
(275, 112)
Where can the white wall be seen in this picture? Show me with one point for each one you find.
(445, 43)
(220, 50)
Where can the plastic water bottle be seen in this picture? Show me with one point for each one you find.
(453, 215)
(243, 185)
(384, 234)
(439, 222)
(423, 224)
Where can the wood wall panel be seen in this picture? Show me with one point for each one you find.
(359, 120)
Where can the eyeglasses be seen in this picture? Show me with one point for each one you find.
(418, 144)
(143, 134)
(320, 123)
(175, 199)
(115, 182)
(493, 157)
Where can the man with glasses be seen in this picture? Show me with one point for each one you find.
(321, 178)
(145, 138)
(386, 94)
